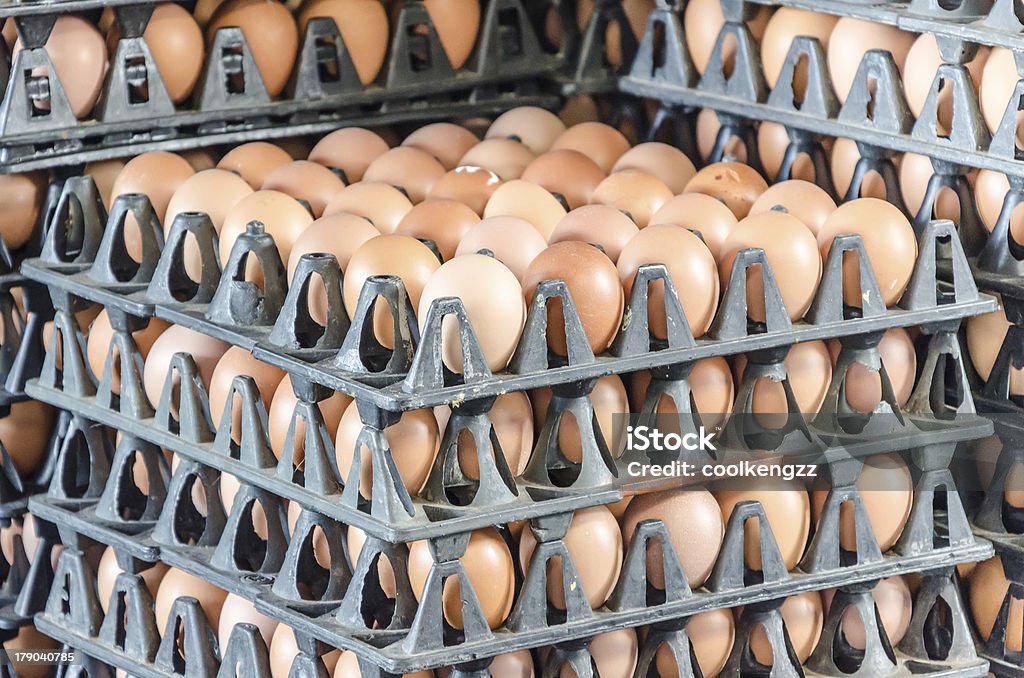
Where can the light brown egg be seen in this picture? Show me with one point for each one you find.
(894, 603)
(694, 524)
(534, 127)
(238, 361)
(636, 12)
(103, 172)
(986, 453)
(25, 432)
(201, 158)
(206, 351)
(30, 639)
(990, 189)
(703, 21)
(987, 589)
(845, 155)
(772, 142)
(711, 385)
(238, 610)
(803, 616)
(348, 667)
(98, 343)
(284, 647)
(356, 538)
(614, 654)
(985, 336)
(864, 387)
(698, 212)
(305, 180)
(21, 196)
(579, 108)
(79, 56)
(528, 201)
(254, 161)
(850, 41)
(888, 239)
(282, 215)
(786, 24)
(802, 199)
(518, 664)
(410, 169)
(734, 183)
(608, 398)
(472, 186)
(886, 488)
(363, 25)
(691, 267)
(106, 576)
(787, 508)
(915, 173)
(444, 140)
(597, 224)
(214, 192)
(177, 583)
(809, 372)
(513, 241)
(636, 192)
(383, 204)
(270, 32)
(456, 23)
(600, 142)
(568, 173)
(505, 157)
(157, 175)
(282, 407)
(413, 442)
(919, 71)
(351, 150)
(443, 221)
(665, 162)
(512, 419)
(493, 299)
(711, 636)
(995, 90)
(707, 129)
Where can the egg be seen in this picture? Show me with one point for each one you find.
(348, 667)
(511, 417)
(986, 453)
(711, 637)
(691, 268)
(283, 217)
(25, 433)
(844, 158)
(410, 169)
(383, 204)
(579, 108)
(711, 387)
(305, 180)
(21, 197)
(803, 616)
(282, 408)
(106, 577)
(919, 72)
(734, 183)
(785, 25)
(98, 344)
(29, 639)
(990, 189)
(694, 524)
(238, 361)
(103, 173)
(567, 173)
(888, 239)
(176, 43)
(802, 199)
(635, 192)
(520, 198)
(456, 23)
(787, 508)
(513, 241)
(987, 588)
(594, 542)
(614, 654)
(608, 399)
(518, 664)
(886, 488)
(201, 158)
(205, 351)
(864, 387)
(283, 649)
(157, 175)
(350, 150)
(703, 21)
(445, 141)
(915, 174)
(443, 221)
(238, 610)
(708, 128)
(363, 25)
(254, 161)
(636, 12)
(489, 568)
(593, 283)
(852, 38)
(894, 605)
(80, 61)
(597, 224)
(772, 142)
(698, 212)
(507, 158)
(600, 142)
(998, 79)
(808, 368)
(493, 299)
(177, 583)
(472, 186)
(270, 33)
(355, 539)
(534, 127)
(667, 163)
(985, 336)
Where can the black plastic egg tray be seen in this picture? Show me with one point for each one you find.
(231, 103)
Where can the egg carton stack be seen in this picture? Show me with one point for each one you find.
(154, 82)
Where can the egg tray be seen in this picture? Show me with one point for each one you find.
(95, 497)
(231, 103)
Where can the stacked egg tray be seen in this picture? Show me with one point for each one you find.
(231, 104)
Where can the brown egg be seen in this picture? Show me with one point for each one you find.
(363, 25)
(284, 647)
(514, 241)
(282, 407)
(665, 162)
(238, 610)
(534, 127)
(456, 23)
(238, 361)
(711, 636)
(787, 508)
(410, 169)
(698, 212)
(888, 239)
(520, 198)
(614, 654)
(214, 192)
(25, 432)
(601, 143)
(351, 150)
(707, 130)
(398, 255)
(348, 667)
(772, 142)
(691, 267)
(283, 217)
(106, 576)
(886, 488)
(355, 539)
(809, 372)
(987, 590)
(635, 192)
(206, 351)
(443, 221)
(98, 344)
(178, 583)
(489, 292)
(80, 59)
(864, 387)
(512, 419)
(734, 183)
(792, 253)
(845, 155)
(802, 199)
(594, 542)
(608, 398)
(850, 41)
(703, 21)
(29, 639)
(786, 24)
(518, 664)
(919, 71)
(636, 12)
(201, 158)
(21, 196)
(254, 161)
(597, 224)
(445, 141)
(711, 386)
(803, 616)
(985, 336)
(157, 175)
(579, 108)
(383, 204)
(986, 452)
(103, 172)
(568, 173)
(995, 90)
(894, 604)
(694, 524)
(305, 180)
(990, 189)
(412, 441)
(472, 186)
(176, 43)
(915, 173)
(505, 157)
(270, 32)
